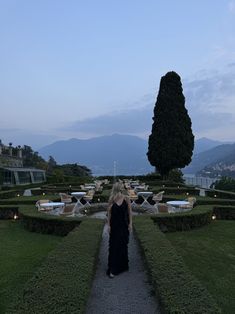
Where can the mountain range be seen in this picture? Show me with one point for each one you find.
(126, 154)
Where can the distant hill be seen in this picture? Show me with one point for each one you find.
(211, 157)
(223, 166)
(203, 144)
(129, 154)
(100, 153)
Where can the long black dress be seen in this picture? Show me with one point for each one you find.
(118, 239)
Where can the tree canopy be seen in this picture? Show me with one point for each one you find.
(171, 141)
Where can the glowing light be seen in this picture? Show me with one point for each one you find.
(213, 217)
(187, 193)
(215, 195)
(43, 194)
(98, 200)
(18, 195)
(15, 217)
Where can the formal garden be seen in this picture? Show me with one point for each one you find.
(49, 261)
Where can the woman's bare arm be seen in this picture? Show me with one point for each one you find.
(130, 213)
(109, 216)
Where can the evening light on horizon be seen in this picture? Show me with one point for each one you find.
(76, 69)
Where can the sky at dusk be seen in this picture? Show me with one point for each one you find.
(88, 68)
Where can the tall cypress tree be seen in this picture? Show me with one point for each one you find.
(171, 142)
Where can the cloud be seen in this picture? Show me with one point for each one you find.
(231, 6)
(129, 121)
(26, 137)
(210, 102)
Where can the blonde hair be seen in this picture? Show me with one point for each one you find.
(117, 192)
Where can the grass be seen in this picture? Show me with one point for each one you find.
(209, 253)
(63, 282)
(21, 254)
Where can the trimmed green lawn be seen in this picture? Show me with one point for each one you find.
(210, 254)
(21, 253)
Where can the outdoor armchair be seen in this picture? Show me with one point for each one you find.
(133, 196)
(65, 198)
(68, 209)
(89, 197)
(158, 197)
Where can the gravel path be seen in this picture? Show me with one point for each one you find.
(128, 293)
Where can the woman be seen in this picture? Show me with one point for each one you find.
(119, 226)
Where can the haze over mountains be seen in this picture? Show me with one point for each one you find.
(128, 153)
(100, 153)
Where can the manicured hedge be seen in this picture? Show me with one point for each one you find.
(177, 191)
(94, 208)
(45, 223)
(215, 201)
(184, 221)
(220, 194)
(8, 212)
(28, 200)
(99, 197)
(176, 288)
(164, 184)
(63, 282)
(224, 212)
(8, 194)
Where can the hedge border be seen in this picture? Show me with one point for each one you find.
(63, 283)
(177, 289)
(45, 223)
(8, 212)
(220, 194)
(224, 212)
(198, 217)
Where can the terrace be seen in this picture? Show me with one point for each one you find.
(177, 247)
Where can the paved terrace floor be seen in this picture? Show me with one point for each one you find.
(127, 293)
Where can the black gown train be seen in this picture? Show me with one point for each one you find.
(118, 239)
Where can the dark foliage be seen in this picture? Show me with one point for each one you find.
(63, 282)
(32, 159)
(48, 224)
(224, 213)
(8, 212)
(171, 142)
(226, 183)
(183, 221)
(176, 288)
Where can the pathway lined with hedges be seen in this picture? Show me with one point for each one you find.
(130, 292)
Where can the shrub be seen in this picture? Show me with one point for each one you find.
(220, 194)
(215, 201)
(225, 183)
(44, 223)
(62, 284)
(178, 190)
(184, 221)
(178, 291)
(224, 212)
(8, 212)
(28, 200)
(176, 175)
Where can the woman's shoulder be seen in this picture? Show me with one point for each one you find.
(126, 198)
